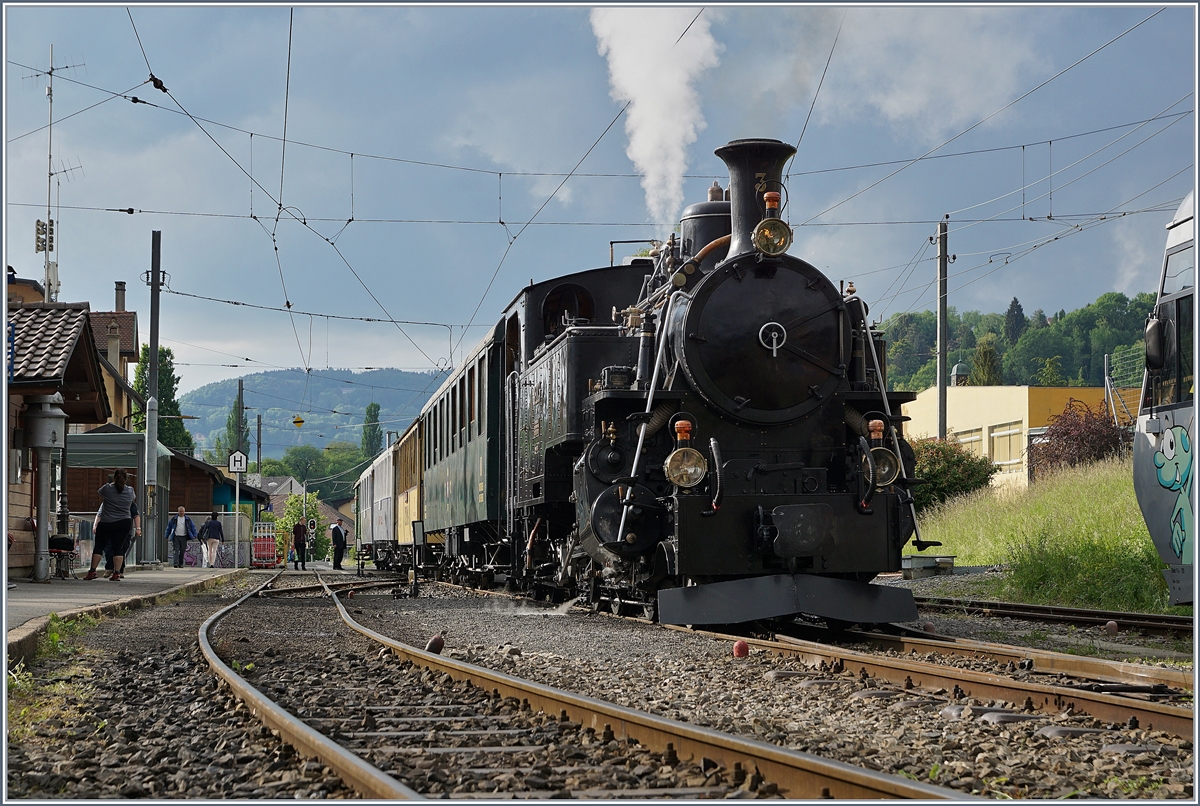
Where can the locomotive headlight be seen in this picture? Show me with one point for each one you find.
(685, 467)
(887, 466)
(772, 236)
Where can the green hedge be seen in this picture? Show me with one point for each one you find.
(948, 470)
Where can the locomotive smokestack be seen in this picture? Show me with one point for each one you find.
(755, 167)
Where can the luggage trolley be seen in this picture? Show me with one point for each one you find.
(264, 552)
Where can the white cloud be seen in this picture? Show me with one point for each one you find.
(927, 74)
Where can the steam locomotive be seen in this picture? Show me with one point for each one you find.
(722, 449)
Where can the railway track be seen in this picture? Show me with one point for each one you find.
(409, 717)
(1150, 624)
(1037, 661)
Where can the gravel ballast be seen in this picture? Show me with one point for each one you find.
(696, 679)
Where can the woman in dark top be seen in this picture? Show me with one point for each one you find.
(118, 511)
(214, 536)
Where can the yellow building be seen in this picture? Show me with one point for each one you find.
(998, 422)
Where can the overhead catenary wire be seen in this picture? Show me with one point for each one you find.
(544, 174)
(813, 105)
(300, 219)
(1097, 220)
(979, 123)
(534, 174)
(1072, 165)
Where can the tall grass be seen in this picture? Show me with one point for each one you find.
(1074, 539)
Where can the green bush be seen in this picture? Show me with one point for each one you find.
(948, 470)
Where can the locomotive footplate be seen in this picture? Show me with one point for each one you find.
(766, 597)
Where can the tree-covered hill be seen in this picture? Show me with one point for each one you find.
(332, 403)
(1063, 349)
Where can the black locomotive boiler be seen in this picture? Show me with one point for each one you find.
(723, 450)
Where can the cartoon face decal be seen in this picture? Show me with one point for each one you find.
(1174, 458)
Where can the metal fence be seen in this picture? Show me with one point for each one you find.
(1123, 373)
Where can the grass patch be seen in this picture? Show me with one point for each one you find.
(1074, 539)
(57, 639)
(32, 702)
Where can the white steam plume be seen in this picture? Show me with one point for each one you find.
(664, 110)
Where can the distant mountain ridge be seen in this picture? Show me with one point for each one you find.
(332, 403)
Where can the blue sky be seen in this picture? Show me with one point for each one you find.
(487, 96)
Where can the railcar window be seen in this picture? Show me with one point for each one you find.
(454, 420)
(1180, 271)
(1186, 370)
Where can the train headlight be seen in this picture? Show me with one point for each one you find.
(772, 236)
(887, 466)
(685, 467)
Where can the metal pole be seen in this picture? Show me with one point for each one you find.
(50, 295)
(155, 280)
(237, 521)
(943, 327)
(258, 444)
(144, 544)
(41, 557)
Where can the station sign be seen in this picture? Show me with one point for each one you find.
(238, 462)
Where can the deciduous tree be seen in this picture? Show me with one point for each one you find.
(171, 430)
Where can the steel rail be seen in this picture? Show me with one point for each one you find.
(339, 585)
(932, 677)
(357, 773)
(798, 775)
(1044, 661)
(1147, 622)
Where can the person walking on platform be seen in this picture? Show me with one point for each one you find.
(212, 536)
(339, 544)
(179, 530)
(118, 511)
(300, 543)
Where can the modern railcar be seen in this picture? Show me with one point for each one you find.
(1164, 439)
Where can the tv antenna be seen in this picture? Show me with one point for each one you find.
(45, 230)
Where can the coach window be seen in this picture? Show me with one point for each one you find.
(470, 403)
(482, 391)
(462, 412)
